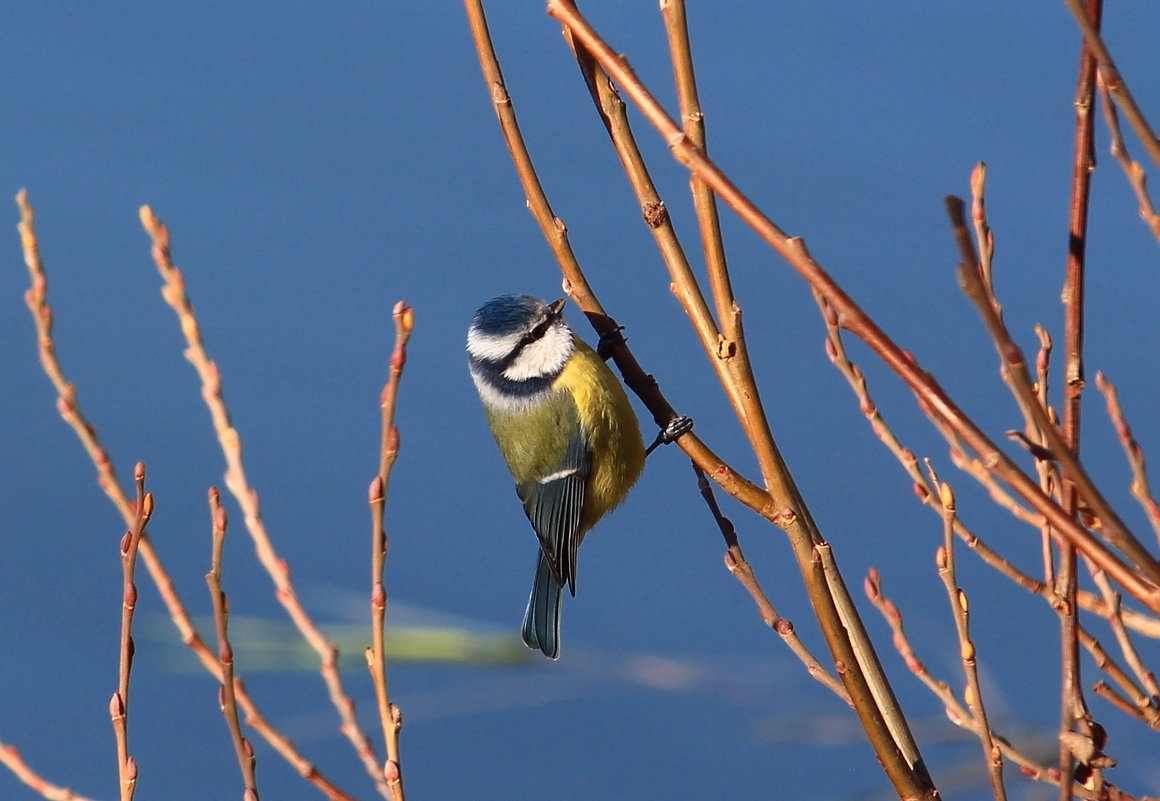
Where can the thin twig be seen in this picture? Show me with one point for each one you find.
(741, 570)
(1108, 693)
(985, 241)
(247, 498)
(390, 717)
(960, 612)
(86, 432)
(119, 704)
(1048, 476)
(704, 203)
(1107, 663)
(1141, 491)
(221, 610)
(1131, 655)
(853, 319)
(1134, 172)
(983, 234)
(12, 759)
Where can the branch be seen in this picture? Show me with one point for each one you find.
(86, 432)
(1141, 491)
(576, 284)
(794, 251)
(221, 605)
(12, 759)
(119, 704)
(1114, 81)
(836, 351)
(960, 611)
(1132, 169)
(741, 570)
(390, 718)
(247, 498)
(1110, 524)
(704, 203)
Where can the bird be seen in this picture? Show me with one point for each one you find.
(566, 430)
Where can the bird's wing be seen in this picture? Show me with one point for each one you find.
(553, 504)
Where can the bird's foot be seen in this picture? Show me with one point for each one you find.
(674, 430)
(608, 342)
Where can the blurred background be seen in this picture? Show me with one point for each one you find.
(318, 162)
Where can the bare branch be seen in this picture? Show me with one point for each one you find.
(390, 717)
(238, 484)
(851, 316)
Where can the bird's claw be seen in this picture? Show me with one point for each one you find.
(608, 341)
(673, 430)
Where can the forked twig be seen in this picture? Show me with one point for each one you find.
(247, 498)
(836, 351)
(1020, 382)
(86, 432)
(726, 356)
(741, 570)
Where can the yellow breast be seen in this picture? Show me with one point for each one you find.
(613, 432)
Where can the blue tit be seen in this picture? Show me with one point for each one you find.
(566, 430)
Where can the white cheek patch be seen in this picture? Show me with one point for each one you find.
(544, 357)
(491, 347)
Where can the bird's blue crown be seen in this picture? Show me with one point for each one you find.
(506, 313)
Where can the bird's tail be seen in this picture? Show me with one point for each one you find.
(542, 619)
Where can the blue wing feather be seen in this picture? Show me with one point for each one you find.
(554, 505)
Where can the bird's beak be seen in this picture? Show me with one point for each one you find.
(555, 308)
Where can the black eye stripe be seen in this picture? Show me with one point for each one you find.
(531, 337)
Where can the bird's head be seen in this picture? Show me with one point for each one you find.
(518, 338)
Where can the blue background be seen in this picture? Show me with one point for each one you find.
(318, 162)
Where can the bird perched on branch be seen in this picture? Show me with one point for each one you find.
(566, 430)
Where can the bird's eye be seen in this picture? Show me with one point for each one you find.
(537, 332)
